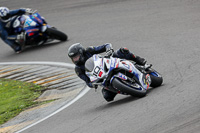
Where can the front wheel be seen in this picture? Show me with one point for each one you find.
(156, 79)
(56, 34)
(127, 87)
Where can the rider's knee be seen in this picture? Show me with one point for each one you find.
(124, 53)
(124, 50)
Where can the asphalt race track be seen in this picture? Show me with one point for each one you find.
(165, 32)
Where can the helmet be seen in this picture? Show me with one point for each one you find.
(76, 53)
(4, 14)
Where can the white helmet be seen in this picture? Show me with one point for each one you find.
(4, 14)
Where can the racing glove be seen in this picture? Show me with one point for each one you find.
(92, 85)
(109, 51)
(29, 10)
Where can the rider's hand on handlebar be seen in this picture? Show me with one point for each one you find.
(109, 51)
(29, 10)
(92, 85)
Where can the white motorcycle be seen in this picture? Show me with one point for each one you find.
(121, 76)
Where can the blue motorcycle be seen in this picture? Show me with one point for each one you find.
(35, 30)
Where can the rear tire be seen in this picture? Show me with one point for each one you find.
(56, 34)
(116, 83)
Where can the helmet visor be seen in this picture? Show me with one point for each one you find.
(5, 17)
(76, 58)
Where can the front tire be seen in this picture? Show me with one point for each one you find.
(156, 79)
(56, 34)
(125, 88)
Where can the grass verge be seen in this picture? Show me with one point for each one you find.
(16, 96)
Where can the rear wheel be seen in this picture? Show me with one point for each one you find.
(56, 34)
(127, 87)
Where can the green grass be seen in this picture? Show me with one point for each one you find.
(16, 96)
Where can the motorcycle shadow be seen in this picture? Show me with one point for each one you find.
(36, 47)
(118, 102)
(30, 49)
(125, 99)
(151, 89)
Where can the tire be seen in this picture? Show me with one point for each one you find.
(156, 80)
(125, 88)
(56, 34)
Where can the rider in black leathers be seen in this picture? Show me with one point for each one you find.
(79, 55)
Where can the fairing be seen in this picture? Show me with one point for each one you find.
(103, 66)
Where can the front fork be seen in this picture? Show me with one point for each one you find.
(142, 79)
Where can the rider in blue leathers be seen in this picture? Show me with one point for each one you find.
(6, 26)
(79, 55)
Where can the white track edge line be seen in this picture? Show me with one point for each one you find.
(82, 93)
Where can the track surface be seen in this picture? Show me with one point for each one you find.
(165, 32)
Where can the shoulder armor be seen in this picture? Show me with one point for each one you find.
(90, 49)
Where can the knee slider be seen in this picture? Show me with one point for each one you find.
(124, 50)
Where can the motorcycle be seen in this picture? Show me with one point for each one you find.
(121, 76)
(34, 30)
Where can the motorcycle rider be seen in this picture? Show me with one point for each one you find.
(7, 33)
(79, 55)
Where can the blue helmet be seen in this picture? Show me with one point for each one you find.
(4, 14)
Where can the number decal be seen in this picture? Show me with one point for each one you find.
(96, 71)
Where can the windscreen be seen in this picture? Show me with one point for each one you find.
(89, 64)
